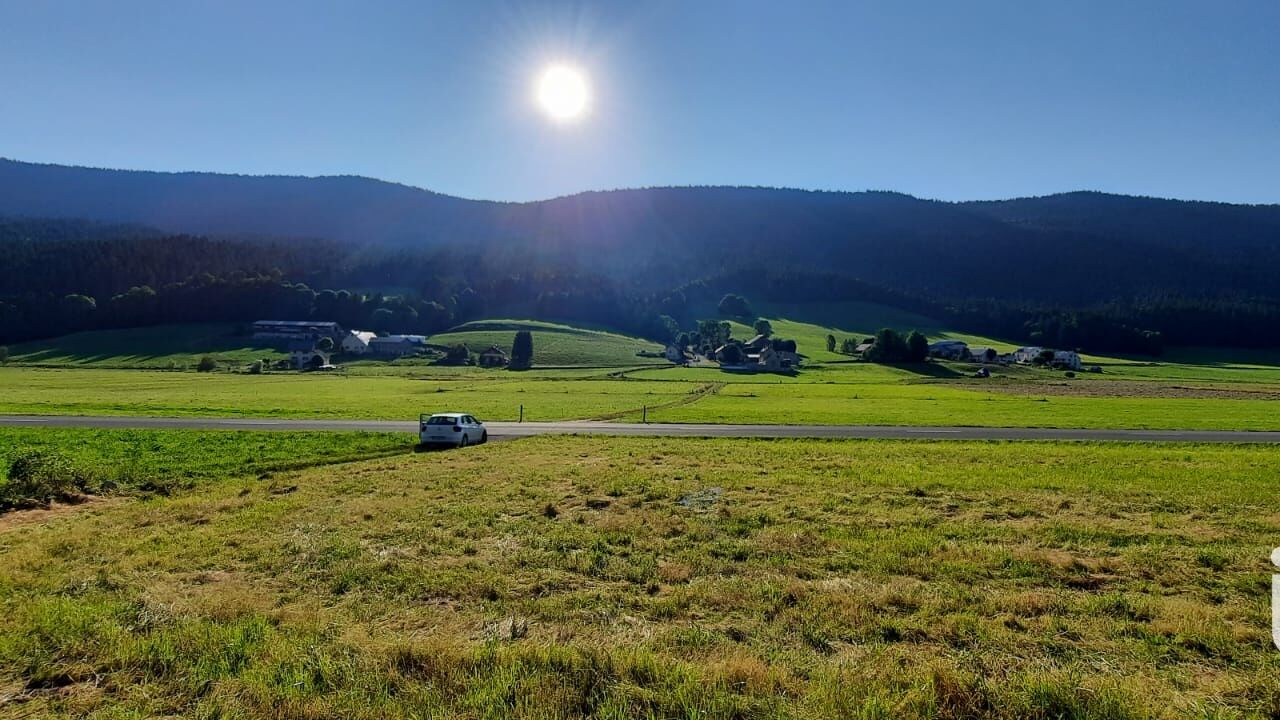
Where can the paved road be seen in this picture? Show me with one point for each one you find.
(508, 430)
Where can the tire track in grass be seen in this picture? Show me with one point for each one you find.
(702, 391)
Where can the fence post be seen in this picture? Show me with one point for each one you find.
(644, 413)
(522, 412)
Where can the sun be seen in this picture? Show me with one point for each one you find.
(562, 92)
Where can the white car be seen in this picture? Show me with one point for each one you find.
(457, 429)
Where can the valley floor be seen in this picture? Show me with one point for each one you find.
(1125, 396)
(629, 577)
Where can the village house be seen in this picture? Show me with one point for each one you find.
(984, 354)
(357, 342)
(398, 345)
(1068, 359)
(765, 360)
(756, 357)
(494, 357)
(304, 354)
(949, 350)
(1027, 355)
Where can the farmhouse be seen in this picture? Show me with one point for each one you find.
(984, 354)
(304, 354)
(675, 354)
(296, 330)
(949, 350)
(494, 357)
(1027, 355)
(764, 360)
(357, 342)
(1068, 359)
(398, 345)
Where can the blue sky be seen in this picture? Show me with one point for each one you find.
(951, 100)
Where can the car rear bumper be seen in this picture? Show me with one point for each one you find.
(433, 439)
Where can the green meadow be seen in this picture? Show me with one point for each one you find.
(111, 461)
(592, 374)
(629, 577)
(835, 394)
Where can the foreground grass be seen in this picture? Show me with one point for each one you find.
(129, 460)
(587, 577)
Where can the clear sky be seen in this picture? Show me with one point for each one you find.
(951, 100)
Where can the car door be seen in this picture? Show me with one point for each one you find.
(470, 427)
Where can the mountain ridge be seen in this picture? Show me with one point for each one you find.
(1069, 248)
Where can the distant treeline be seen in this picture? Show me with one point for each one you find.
(64, 276)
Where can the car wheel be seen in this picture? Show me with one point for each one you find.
(484, 437)
(463, 442)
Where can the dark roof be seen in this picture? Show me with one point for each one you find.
(296, 323)
(494, 349)
(301, 346)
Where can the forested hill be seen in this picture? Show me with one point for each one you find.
(1066, 249)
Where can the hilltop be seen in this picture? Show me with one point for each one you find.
(1073, 247)
(93, 249)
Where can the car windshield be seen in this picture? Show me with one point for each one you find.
(441, 420)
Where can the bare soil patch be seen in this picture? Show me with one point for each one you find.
(16, 518)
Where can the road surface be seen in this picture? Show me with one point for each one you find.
(509, 430)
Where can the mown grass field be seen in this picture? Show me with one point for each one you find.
(835, 394)
(490, 397)
(628, 577)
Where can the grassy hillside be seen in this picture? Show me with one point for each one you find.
(554, 344)
(156, 347)
(629, 577)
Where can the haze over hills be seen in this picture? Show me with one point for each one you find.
(1076, 247)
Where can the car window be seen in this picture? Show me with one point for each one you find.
(440, 420)
(471, 420)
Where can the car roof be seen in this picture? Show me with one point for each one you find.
(448, 414)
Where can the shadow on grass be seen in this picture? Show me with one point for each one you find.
(928, 369)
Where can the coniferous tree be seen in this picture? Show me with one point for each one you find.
(522, 350)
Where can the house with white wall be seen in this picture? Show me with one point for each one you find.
(357, 342)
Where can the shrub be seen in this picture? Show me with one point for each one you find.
(37, 477)
(207, 364)
(255, 368)
(457, 354)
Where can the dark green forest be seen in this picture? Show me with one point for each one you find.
(62, 276)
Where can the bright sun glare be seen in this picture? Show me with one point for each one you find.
(562, 92)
